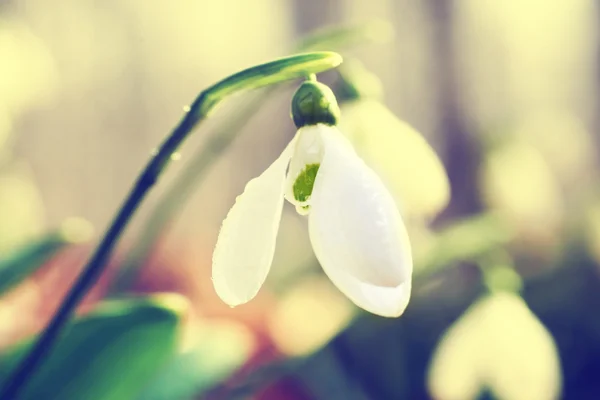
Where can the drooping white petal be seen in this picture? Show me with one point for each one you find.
(246, 242)
(356, 230)
(380, 300)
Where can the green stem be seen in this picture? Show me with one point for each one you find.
(252, 78)
(498, 272)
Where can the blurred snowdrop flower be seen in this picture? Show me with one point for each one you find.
(498, 344)
(565, 144)
(518, 183)
(406, 162)
(355, 228)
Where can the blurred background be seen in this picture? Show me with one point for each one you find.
(506, 287)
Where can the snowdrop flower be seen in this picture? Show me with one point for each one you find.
(518, 183)
(498, 344)
(355, 227)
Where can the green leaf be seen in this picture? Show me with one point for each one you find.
(110, 353)
(17, 266)
(221, 348)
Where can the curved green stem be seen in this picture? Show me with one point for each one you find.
(266, 74)
(498, 272)
(336, 38)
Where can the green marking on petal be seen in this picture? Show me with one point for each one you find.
(304, 183)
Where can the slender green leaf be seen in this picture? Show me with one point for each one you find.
(220, 350)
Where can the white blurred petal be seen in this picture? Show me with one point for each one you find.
(401, 156)
(456, 366)
(521, 359)
(356, 230)
(246, 243)
(500, 344)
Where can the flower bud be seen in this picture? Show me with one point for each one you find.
(314, 103)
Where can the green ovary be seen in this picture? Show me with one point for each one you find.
(304, 183)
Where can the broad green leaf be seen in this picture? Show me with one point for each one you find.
(17, 266)
(220, 349)
(108, 354)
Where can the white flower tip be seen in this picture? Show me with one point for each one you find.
(232, 292)
(394, 303)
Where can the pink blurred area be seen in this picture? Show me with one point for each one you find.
(28, 307)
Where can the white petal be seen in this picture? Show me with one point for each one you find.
(521, 359)
(455, 369)
(500, 344)
(356, 230)
(246, 243)
(380, 300)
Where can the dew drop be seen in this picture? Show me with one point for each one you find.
(176, 156)
(187, 109)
